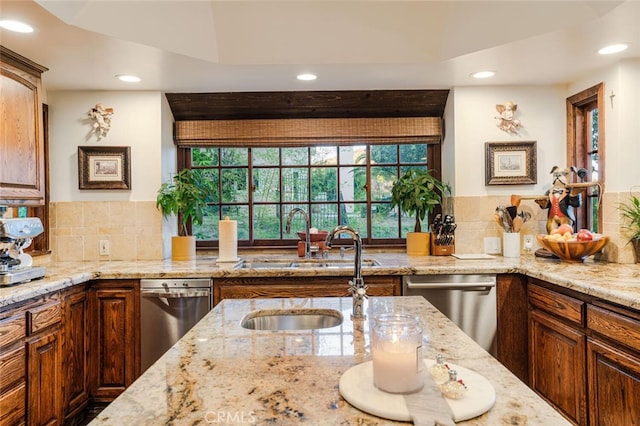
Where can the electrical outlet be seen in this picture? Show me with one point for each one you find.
(528, 242)
(104, 247)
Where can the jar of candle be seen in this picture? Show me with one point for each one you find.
(396, 349)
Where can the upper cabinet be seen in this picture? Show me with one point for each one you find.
(22, 156)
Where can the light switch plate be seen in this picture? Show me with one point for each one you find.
(492, 245)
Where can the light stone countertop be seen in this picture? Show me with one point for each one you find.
(617, 283)
(220, 373)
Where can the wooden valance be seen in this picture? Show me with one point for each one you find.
(311, 131)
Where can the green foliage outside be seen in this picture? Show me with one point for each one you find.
(305, 178)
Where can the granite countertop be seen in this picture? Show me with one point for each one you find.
(617, 283)
(222, 373)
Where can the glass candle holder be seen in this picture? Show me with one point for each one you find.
(396, 348)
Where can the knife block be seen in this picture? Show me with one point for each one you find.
(439, 250)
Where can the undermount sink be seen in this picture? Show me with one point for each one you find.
(304, 263)
(291, 319)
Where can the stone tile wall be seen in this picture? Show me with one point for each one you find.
(474, 216)
(133, 229)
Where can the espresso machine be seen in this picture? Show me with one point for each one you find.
(16, 234)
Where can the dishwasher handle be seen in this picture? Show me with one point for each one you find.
(175, 294)
(480, 285)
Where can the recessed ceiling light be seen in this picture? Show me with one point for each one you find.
(17, 26)
(614, 48)
(128, 78)
(483, 74)
(307, 77)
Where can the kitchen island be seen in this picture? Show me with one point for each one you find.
(221, 373)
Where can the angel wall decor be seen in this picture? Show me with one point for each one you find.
(102, 120)
(507, 121)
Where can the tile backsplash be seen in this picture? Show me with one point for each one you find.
(133, 230)
(474, 216)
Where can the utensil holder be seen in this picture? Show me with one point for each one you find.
(511, 244)
(440, 250)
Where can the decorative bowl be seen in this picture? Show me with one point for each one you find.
(314, 236)
(574, 251)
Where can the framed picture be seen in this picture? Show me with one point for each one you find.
(510, 163)
(104, 167)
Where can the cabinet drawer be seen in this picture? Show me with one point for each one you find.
(557, 304)
(44, 316)
(620, 328)
(12, 329)
(12, 366)
(12, 406)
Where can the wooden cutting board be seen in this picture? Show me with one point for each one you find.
(356, 386)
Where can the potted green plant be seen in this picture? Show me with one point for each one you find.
(417, 193)
(185, 196)
(631, 215)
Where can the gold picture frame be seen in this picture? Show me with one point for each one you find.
(104, 167)
(511, 163)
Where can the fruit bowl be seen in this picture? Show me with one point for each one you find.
(573, 250)
(314, 236)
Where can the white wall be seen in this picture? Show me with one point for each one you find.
(168, 168)
(448, 144)
(541, 110)
(137, 122)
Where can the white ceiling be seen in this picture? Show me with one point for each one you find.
(217, 46)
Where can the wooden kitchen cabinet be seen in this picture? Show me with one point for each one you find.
(269, 287)
(557, 365)
(115, 341)
(22, 172)
(76, 350)
(584, 355)
(31, 362)
(613, 362)
(557, 345)
(13, 379)
(45, 399)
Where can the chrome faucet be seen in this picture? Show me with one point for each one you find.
(307, 224)
(357, 287)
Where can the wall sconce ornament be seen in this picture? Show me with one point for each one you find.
(101, 117)
(507, 121)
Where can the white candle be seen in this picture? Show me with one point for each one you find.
(396, 354)
(395, 367)
(227, 240)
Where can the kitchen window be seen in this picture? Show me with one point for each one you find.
(335, 184)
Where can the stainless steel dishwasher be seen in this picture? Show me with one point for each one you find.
(168, 309)
(469, 301)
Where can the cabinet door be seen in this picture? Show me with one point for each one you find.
(76, 351)
(614, 385)
(45, 398)
(13, 386)
(12, 405)
(114, 363)
(557, 367)
(22, 175)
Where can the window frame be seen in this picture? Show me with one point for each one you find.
(579, 107)
(433, 160)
